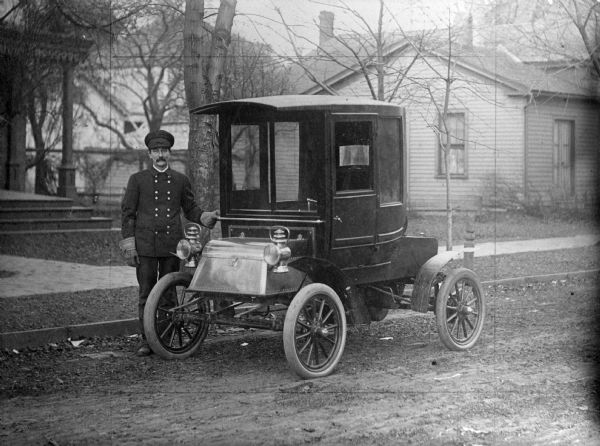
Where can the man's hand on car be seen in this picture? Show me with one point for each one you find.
(209, 219)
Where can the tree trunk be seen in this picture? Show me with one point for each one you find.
(202, 77)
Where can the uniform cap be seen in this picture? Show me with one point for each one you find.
(159, 139)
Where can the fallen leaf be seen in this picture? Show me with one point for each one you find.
(387, 338)
(456, 375)
(473, 431)
(104, 355)
(244, 344)
(77, 343)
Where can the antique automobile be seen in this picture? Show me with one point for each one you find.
(313, 222)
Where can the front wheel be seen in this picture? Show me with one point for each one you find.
(175, 328)
(314, 331)
(460, 309)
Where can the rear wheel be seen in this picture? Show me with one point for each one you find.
(314, 331)
(460, 309)
(173, 329)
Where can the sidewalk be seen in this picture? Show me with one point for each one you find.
(28, 276)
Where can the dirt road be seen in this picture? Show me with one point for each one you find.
(530, 380)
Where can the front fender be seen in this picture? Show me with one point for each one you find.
(426, 279)
(323, 271)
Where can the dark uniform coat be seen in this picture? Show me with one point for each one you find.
(151, 210)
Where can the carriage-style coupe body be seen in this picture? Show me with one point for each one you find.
(313, 222)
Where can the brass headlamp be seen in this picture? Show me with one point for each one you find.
(190, 245)
(278, 254)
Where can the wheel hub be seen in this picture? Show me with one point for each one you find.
(465, 310)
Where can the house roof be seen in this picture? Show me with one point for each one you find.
(527, 78)
(336, 62)
(63, 48)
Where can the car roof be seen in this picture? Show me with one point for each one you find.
(303, 103)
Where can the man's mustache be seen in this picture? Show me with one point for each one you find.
(161, 159)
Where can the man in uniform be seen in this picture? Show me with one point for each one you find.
(151, 225)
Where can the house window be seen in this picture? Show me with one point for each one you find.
(131, 126)
(455, 144)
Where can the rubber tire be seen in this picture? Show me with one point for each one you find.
(441, 309)
(167, 281)
(289, 330)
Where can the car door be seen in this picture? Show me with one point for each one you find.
(354, 198)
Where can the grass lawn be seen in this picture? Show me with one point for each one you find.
(498, 227)
(101, 247)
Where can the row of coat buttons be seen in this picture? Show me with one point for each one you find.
(156, 214)
(156, 195)
(168, 232)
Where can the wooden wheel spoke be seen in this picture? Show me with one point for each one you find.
(302, 336)
(172, 337)
(307, 316)
(452, 317)
(162, 335)
(179, 336)
(328, 339)
(471, 326)
(464, 327)
(310, 351)
(306, 344)
(328, 315)
(303, 324)
(187, 332)
(331, 327)
(471, 301)
(321, 308)
(326, 354)
(455, 325)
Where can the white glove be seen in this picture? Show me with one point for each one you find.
(128, 251)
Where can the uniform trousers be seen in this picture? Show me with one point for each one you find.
(148, 272)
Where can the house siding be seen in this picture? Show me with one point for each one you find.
(541, 116)
(494, 132)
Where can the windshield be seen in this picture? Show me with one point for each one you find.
(277, 166)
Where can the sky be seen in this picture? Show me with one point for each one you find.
(258, 19)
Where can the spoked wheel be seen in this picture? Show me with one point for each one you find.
(314, 331)
(175, 328)
(460, 309)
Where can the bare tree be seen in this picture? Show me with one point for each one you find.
(366, 50)
(144, 66)
(204, 73)
(567, 31)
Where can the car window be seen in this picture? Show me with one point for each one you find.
(353, 142)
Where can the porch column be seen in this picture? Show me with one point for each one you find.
(17, 133)
(66, 171)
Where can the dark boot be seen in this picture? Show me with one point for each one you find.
(144, 349)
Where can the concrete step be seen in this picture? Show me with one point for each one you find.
(54, 224)
(44, 213)
(35, 201)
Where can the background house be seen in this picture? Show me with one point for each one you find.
(522, 132)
